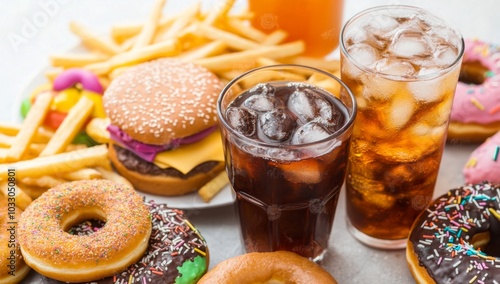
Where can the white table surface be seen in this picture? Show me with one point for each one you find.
(347, 260)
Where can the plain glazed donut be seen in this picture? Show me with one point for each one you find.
(484, 162)
(52, 252)
(13, 269)
(457, 238)
(177, 252)
(475, 114)
(267, 267)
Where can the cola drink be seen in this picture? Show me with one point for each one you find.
(402, 64)
(286, 146)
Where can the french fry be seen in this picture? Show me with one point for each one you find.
(123, 32)
(64, 162)
(76, 60)
(181, 21)
(270, 75)
(328, 65)
(31, 123)
(42, 135)
(233, 60)
(219, 12)
(93, 41)
(242, 28)
(147, 33)
(85, 173)
(150, 52)
(113, 176)
(214, 186)
(71, 125)
(234, 41)
(274, 38)
(212, 48)
(96, 129)
(43, 181)
(21, 199)
(32, 191)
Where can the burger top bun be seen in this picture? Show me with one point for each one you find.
(163, 99)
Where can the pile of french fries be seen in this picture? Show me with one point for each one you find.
(222, 41)
(34, 158)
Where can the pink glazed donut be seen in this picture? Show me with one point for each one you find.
(484, 162)
(475, 115)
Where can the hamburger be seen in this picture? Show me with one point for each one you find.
(164, 134)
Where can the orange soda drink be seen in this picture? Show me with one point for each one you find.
(402, 63)
(316, 22)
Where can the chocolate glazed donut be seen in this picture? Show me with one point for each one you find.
(457, 238)
(177, 253)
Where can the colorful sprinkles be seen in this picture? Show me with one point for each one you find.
(444, 241)
(174, 241)
(479, 103)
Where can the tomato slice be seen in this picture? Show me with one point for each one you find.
(54, 119)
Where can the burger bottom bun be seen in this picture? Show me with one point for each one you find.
(471, 132)
(163, 185)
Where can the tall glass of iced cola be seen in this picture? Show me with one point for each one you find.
(286, 132)
(402, 63)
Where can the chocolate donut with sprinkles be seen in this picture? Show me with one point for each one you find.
(457, 238)
(177, 252)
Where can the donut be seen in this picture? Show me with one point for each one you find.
(177, 252)
(51, 251)
(457, 238)
(475, 114)
(484, 162)
(267, 267)
(13, 269)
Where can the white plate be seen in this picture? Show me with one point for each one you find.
(189, 201)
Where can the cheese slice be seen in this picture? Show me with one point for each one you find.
(186, 157)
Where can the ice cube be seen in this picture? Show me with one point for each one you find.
(379, 88)
(356, 35)
(303, 171)
(301, 103)
(328, 116)
(262, 89)
(363, 54)
(308, 133)
(410, 44)
(427, 91)
(401, 111)
(277, 125)
(261, 103)
(394, 67)
(445, 56)
(380, 200)
(409, 148)
(242, 120)
(381, 24)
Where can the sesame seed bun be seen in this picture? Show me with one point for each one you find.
(156, 103)
(163, 99)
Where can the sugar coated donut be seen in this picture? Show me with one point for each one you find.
(177, 252)
(13, 269)
(50, 250)
(267, 267)
(457, 238)
(484, 162)
(475, 115)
